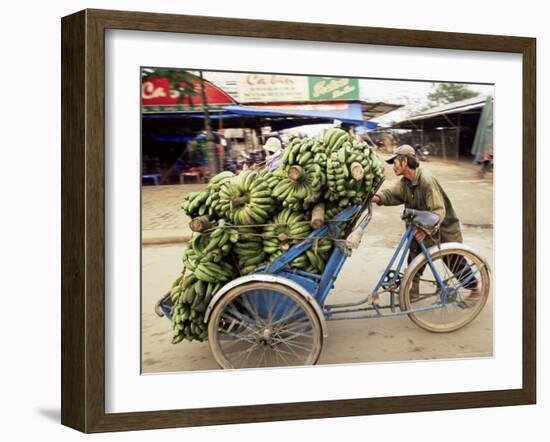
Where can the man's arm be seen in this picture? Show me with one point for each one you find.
(392, 196)
(435, 202)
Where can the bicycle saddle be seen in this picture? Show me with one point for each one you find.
(422, 218)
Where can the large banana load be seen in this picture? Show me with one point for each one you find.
(249, 220)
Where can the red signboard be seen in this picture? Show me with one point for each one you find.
(156, 92)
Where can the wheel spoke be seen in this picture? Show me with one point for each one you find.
(248, 352)
(270, 311)
(240, 337)
(278, 352)
(284, 334)
(294, 344)
(291, 353)
(288, 316)
(232, 309)
(261, 358)
(242, 322)
(244, 355)
(254, 312)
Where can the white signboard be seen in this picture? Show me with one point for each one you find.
(269, 88)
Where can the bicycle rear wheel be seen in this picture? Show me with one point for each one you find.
(264, 325)
(466, 278)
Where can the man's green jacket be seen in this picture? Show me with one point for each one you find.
(425, 193)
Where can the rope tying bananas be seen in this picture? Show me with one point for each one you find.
(251, 219)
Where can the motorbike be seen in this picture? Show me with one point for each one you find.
(422, 153)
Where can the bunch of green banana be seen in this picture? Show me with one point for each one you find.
(304, 151)
(366, 156)
(359, 153)
(292, 194)
(271, 177)
(331, 212)
(320, 154)
(249, 250)
(377, 170)
(190, 297)
(206, 202)
(287, 228)
(344, 152)
(318, 256)
(246, 199)
(213, 203)
(194, 251)
(193, 204)
(301, 193)
(314, 180)
(334, 138)
(192, 328)
(298, 152)
(217, 180)
(293, 191)
(337, 176)
(210, 271)
(221, 238)
(212, 247)
(314, 259)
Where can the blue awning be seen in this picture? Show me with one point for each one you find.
(194, 115)
(350, 113)
(346, 112)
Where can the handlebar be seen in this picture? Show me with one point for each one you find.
(158, 308)
(422, 219)
(367, 204)
(353, 239)
(363, 222)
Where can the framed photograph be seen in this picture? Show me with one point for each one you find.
(267, 221)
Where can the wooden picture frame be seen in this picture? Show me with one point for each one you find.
(83, 220)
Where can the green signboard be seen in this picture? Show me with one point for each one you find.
(331, 88)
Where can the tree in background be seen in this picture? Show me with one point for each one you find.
(445, 93)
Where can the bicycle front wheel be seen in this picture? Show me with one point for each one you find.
(264, 325)
(466, 279)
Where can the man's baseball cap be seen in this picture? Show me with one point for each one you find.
(403, 150)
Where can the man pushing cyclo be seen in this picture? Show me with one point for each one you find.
(424, 198)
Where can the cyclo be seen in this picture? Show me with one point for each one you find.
(277, 315)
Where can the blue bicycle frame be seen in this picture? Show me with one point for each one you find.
(320, 285)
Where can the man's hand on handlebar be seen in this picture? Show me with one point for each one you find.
(376, 199)
(419, 234)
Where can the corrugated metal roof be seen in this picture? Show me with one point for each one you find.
(377, 109)
(451, 108)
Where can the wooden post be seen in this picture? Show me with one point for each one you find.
(295, 173)
(458, 139)
(199, 224)
(282, 237)
(211, 150)
(318, 216)
(357, 171)
(240, 201)
(443, 149)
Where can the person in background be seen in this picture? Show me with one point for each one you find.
(243, 161)
(485, 160)
(274, 153)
